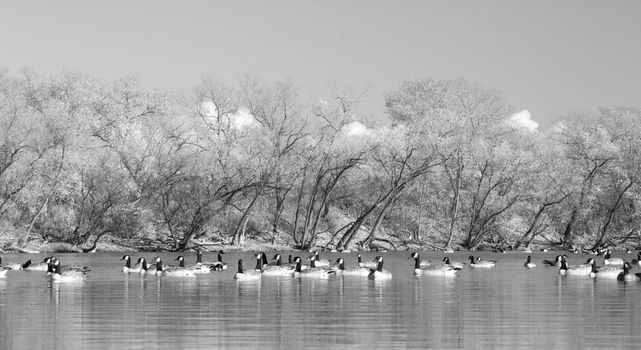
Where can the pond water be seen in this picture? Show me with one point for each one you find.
(507, 307)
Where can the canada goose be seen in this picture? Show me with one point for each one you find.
(59, 273)
(368, 264)
(481, 263)
(63, 268)
(312, 271)
(529, 264)
(353, 271)
(379, 273)
(556, 262)
(250, 275)
(443, 270)
(609, 260)
(422, 263)
(175, 271)
(127, 268)
(142, 267)
(195, 268)
(277, 269)
(456, 265)
(320, 262)
(611, 272)
(575, 270)
(212, 265)
(628, 276)
(41, 266)
(16, 266)
(637, 261)
(3, 269)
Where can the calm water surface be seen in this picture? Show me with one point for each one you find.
(504, 307)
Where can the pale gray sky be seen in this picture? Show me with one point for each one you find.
(548, 57)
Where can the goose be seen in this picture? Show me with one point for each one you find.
(422, 263)
(353, 271)
(16, 266)
(637, 261)
(320, 262)
(64, 268)
(481, 263)
(3, 269)
(628, 276)
(41, 266)
(312, 271)
(142, 267)
(368, 264)
(127, 268)
(556, 262)
(379, 273)
(59, 273)
(609, 260)
(213, 265)
(251, 275)
(456, 265)
(529, 264)
(195, 268)
(443, 270)
(277, 269)
(605, 272)
(175, 271)
(575, 270)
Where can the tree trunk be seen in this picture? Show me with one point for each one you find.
(239, 232)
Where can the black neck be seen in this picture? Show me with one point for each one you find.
(379, 266)
(341, 265)
(564, 264)
(263, 257)
(240, 267)
(199, 257)
(594, 270)
(181, 263)
(278, 260)
(128, 263)
(259, 263)
(143, 265)
(158, 266)
(446, 261)
(359, 258)
(417, 263)
(312, 263)
(298, 266)
(220, 257)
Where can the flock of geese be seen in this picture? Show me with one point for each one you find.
(613, 268)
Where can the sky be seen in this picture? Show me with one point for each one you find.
(546, 58)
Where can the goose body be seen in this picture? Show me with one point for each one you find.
(312, 271)
(443, 270)
(609, 272)
(174, 271)
(15, 266)
(528, 263)
(608, 260)
(61, 274)
(277, 269)
(211, 265)
(366, 264)
(127, 268)
(250, 275)
(485, 264)
(353, 271)
(456, 264)
(195, 268)
(628, 276)
(379, 273)
(576, 270)
(556, 262)
(41, 266)
(637, 261)
(320, 262)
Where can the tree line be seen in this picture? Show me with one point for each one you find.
(82, 158)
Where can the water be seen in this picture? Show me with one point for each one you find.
(505, 307)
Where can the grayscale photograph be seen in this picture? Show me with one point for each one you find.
(336, 174)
